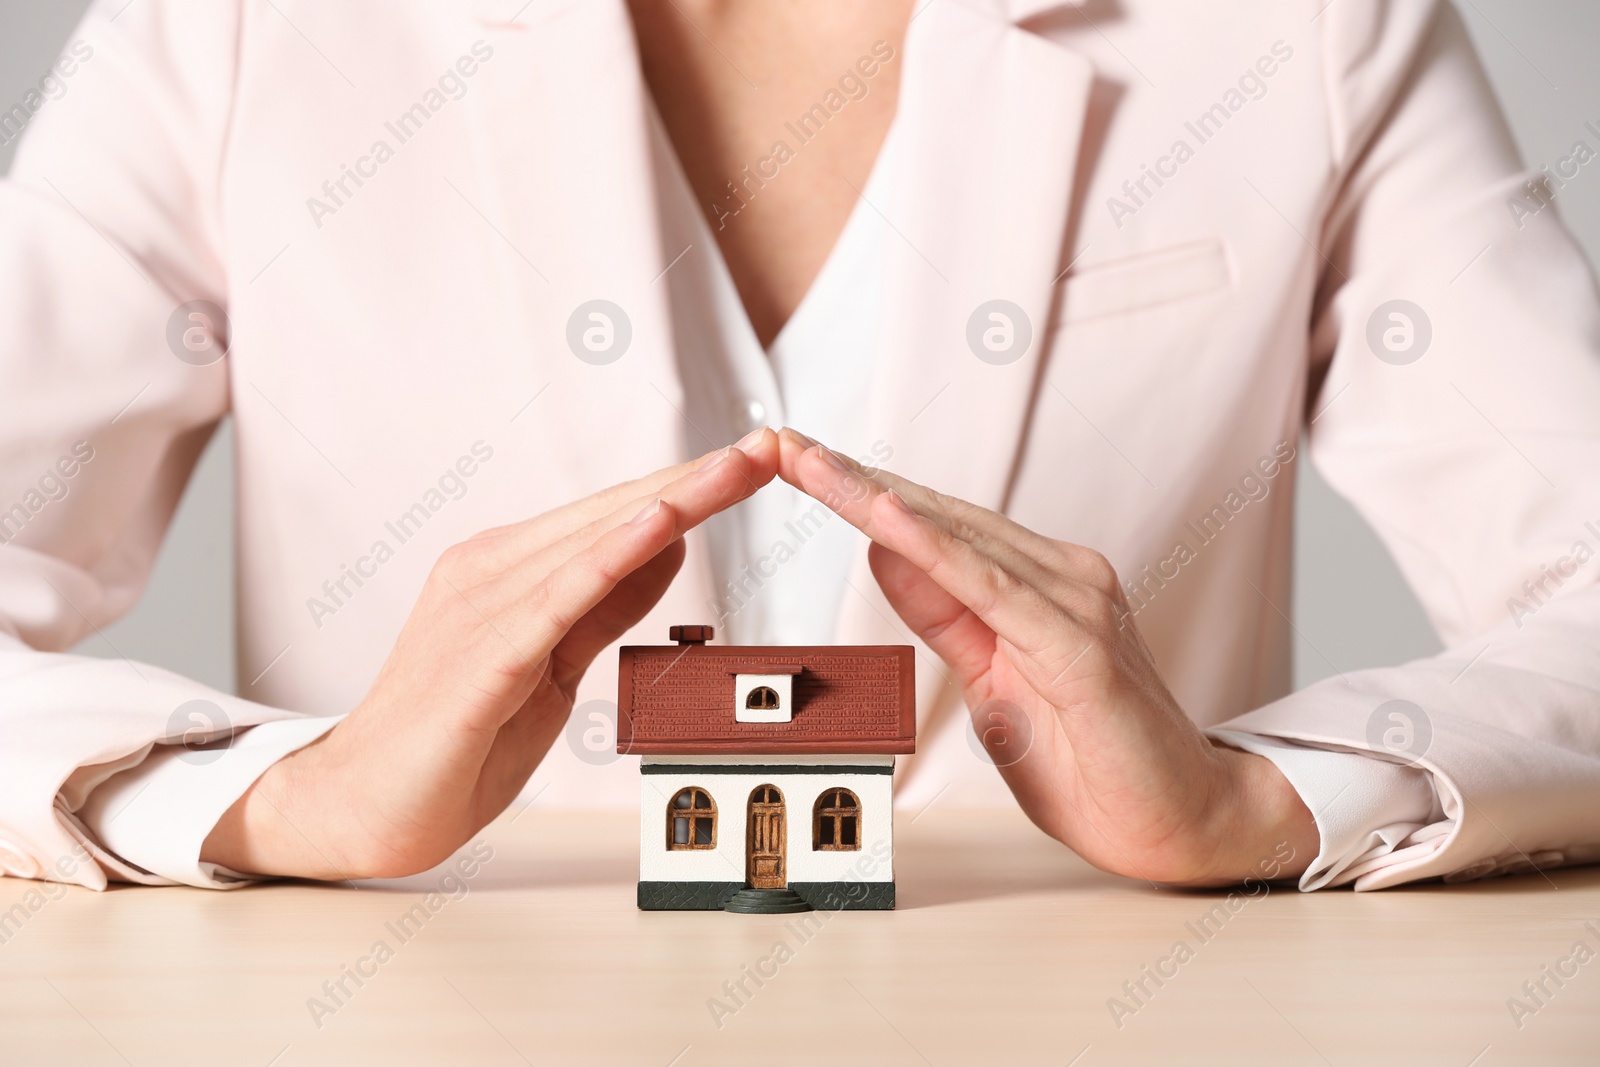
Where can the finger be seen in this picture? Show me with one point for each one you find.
(981, 559)
(974, 524)
(723, 480)
(946, 625)
(517, 539)
(1050, 638)
(550, 593)
(531, 621)
(614, 616)
(792, 444)
(851, 490)
(758, 460)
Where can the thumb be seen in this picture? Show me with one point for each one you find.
(953, 632)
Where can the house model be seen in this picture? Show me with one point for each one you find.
(767, 771)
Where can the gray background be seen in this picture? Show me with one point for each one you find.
(1352, 609)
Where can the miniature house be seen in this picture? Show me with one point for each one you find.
(767, 771)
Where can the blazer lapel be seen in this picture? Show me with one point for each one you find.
(989, 126)
(564, 174)
(1022, 10)
(990, 121)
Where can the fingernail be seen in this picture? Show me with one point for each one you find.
(647, 514)
(750, 438)
(805, 441)
(715, 458)
(832, 459)
(898, 501)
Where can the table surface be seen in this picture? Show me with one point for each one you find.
(1005, 949)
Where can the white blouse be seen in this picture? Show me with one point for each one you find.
(781, 560)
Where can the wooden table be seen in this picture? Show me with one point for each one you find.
(1006, 950)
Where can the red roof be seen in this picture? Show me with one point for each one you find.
(850, 699)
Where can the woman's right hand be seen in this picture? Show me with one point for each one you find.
(480, 681)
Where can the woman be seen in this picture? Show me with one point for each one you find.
(1080, 278)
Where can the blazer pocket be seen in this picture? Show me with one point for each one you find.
(1146, 280)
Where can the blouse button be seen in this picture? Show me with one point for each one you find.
(752, 414)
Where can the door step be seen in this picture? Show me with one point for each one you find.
(766, 902)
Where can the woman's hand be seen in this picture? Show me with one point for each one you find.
(1040, 637)
(480, 681)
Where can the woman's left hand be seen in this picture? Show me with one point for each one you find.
(1041, 640)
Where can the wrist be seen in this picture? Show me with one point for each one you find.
(1270, 833)
(258, 834)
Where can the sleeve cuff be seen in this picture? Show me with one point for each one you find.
(154, 817)
(1368, 810)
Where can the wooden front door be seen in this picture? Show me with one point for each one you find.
(764, 846)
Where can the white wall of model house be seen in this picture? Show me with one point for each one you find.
(731, 792)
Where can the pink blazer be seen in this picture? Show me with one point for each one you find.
(1220, 225)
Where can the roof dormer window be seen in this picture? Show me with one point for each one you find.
(767, 696)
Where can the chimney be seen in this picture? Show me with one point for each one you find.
(691, 635)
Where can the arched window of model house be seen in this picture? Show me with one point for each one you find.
(836, 826)
(762, 698)
(692, 820)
